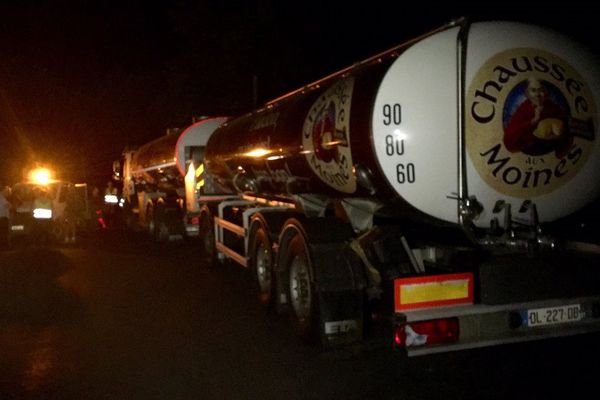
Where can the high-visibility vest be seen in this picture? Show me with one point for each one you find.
(42, 202)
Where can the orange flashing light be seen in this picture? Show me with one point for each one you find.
(40, 176)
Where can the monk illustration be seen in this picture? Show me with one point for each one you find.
(538, 126)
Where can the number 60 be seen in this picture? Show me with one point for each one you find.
(405, 173)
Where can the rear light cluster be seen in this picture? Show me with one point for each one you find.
(430, 292)
(194, 220)
(427, 333)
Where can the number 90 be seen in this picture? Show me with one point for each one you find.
(392, 114)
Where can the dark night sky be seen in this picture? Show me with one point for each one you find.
(81, 80)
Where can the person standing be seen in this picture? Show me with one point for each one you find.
(110, 190)
(4, 218)
(73, 210)
(42, 204)
(110, 203)
(97, 205)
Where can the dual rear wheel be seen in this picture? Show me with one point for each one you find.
(295, 287)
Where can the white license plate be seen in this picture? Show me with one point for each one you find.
(17, 228)
(339, 327)
(553, 315)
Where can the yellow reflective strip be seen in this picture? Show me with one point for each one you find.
(434, 291)
(200, 184)
(200, 170)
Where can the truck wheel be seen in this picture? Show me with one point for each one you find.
(161, 231)
(128, 217)
(261, 263)
(57, 233)
(150, 219)
(207, 238)
(301, 290)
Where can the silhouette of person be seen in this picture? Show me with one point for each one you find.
(73, 209)
(5, 208)
(538, 126)
(43, 224)
(110, 203)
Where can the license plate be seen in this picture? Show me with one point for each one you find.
(339, 327)
(553, 315)
(17, 228)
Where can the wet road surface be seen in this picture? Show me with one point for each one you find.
(115, 317)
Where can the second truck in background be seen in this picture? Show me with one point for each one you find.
(154, 196)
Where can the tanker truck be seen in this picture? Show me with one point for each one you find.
(446, 188)
(159, 181)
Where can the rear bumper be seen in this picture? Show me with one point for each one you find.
(490, 325)
(21, 224)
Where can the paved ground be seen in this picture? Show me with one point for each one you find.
(116, 318)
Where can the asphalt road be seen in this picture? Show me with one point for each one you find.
(115, 317)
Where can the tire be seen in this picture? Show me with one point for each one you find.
(206, 228)
(129, 218)
(296, 264)
(157, 226)
(57, 234)
(161, 231)
(150, 222)
(261, 263)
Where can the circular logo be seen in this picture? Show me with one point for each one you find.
(530, 122)
(325, 137)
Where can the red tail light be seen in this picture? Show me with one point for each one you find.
(426, 333)
(193, 220)
(100, 219)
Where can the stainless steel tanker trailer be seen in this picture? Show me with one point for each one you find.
(158, 187)
(448, 186)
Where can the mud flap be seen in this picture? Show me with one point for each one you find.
(341, 317)
(340, 293)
